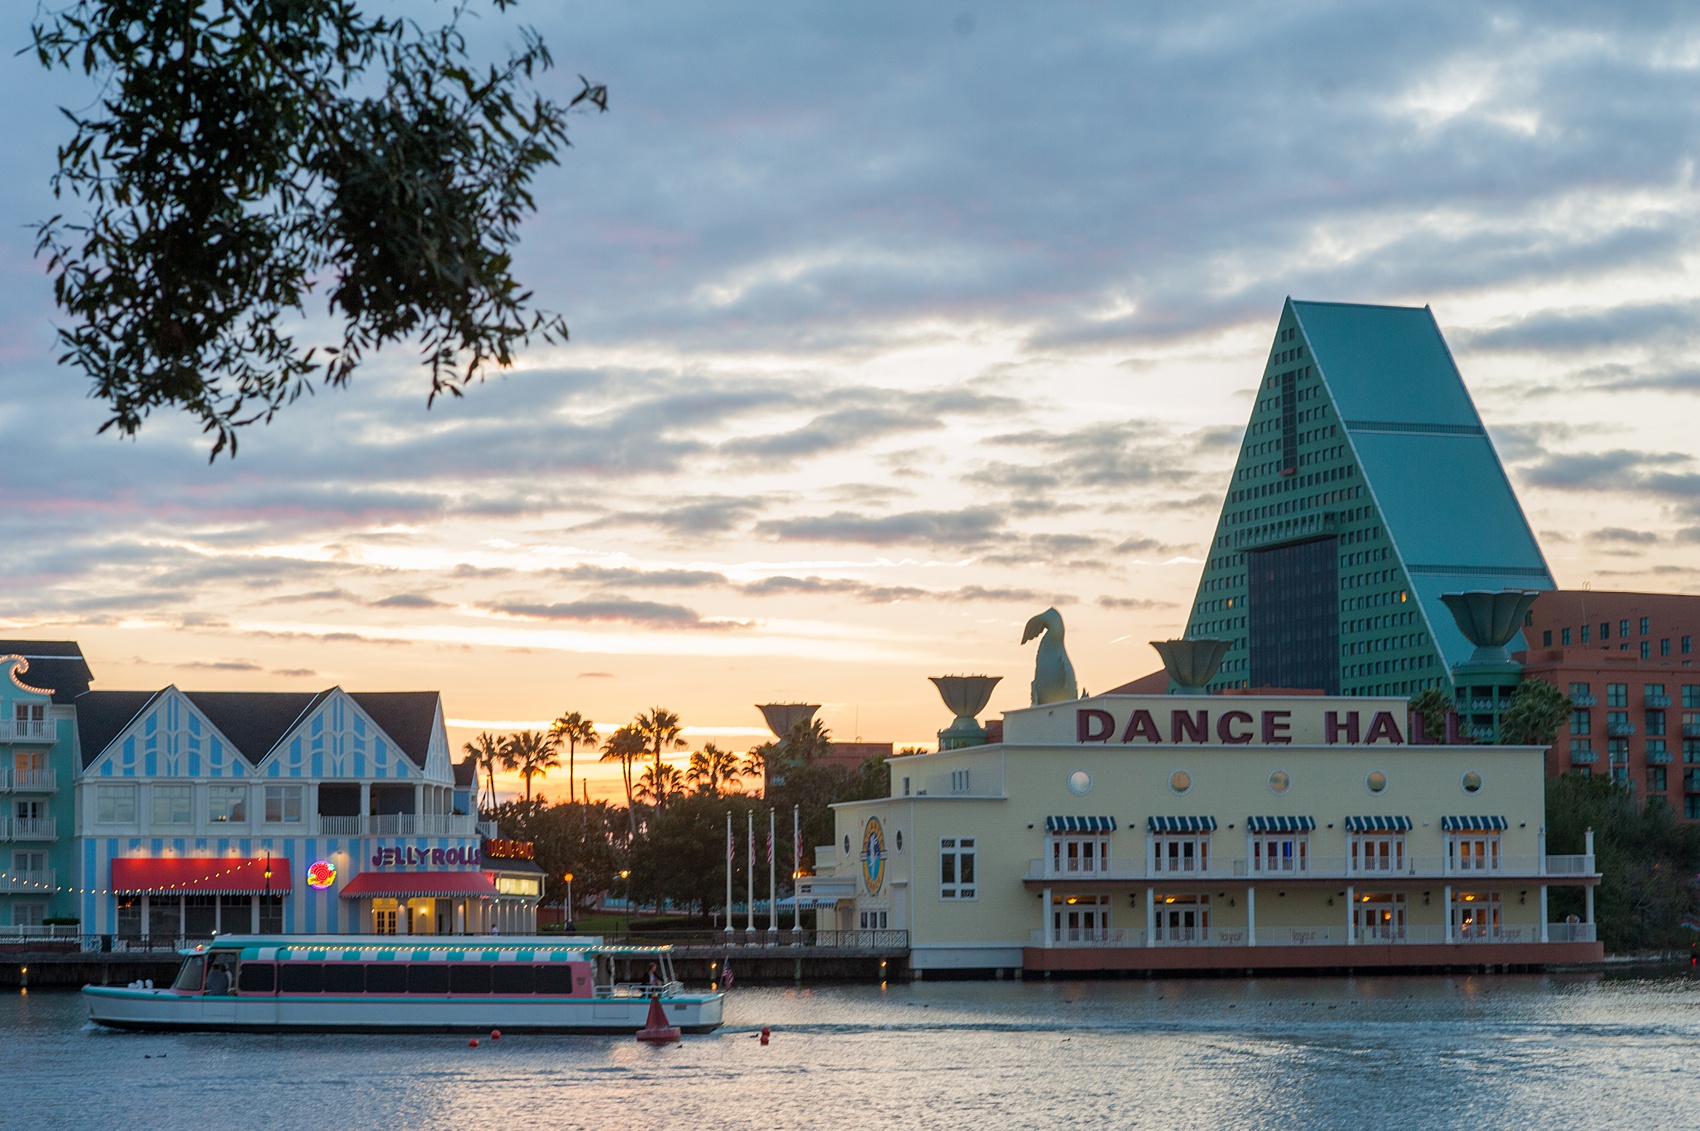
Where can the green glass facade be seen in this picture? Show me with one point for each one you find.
(1366, 487)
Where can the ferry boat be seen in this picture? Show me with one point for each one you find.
(412, 984)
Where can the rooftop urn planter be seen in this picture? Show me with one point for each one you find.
(1489, 620)
(966, 696)
(1191, 663)
(781, 717)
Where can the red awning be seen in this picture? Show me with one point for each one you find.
(408, 885)
(215, 875)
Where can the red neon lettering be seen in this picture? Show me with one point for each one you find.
(1196, 728)
(1225, 728)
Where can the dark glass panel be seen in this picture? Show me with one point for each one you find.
(386, 978)
(469, 978)
(555, 978)
(301, 977)
(256, 978)
(345, 978)
(512, 978)
(428, 978)
(1293, 620)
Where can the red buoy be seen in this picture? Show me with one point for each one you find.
(495, 1034)
(764, 1034)
(656, 1030)
(473, 1043)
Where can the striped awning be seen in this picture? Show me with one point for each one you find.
(1080, 824)
(1378, 824)
(1181, 824)
(1473, 824)
(1280, 824)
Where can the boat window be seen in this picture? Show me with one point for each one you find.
(512, 978)
(301, 977)
(469, 978)
(386, 978)
(345, 978)
(428, 978)
(256, 978)
(189, 977)
(555, 978)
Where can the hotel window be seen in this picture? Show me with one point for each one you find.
(1546, 638)
(1564, 636)
(875, 920)
(1687, 645)
(1617, 695)
(1182, 918)
(115, 804)
(1664, 646)
(1655, 722)
(1080, 918)
(1657, 780)
(1623, 628)
(1584, 634)
(1280, 852)
(1618, 749)
(1620, 774)
(1645, 626)
(1472, 852)
(1653, 695)
(956, 868)
(1580, 722)
(1657, 751)
(1378, 852)
(173, 804)
(1073, 855)
(283, 804)
(227, 803)
(1646, 649)
(1475, 915)
(1605, 630)
(1184, 853)
(1691, 695)
(959, 781)
(1582, 750)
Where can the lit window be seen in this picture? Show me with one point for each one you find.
(227, 803)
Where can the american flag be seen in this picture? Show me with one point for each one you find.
(797, 846)
(731, 852)
(770, 846)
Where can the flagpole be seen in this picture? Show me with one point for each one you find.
(772, 883)
(750, 874)
(796, 871)
(731, 857)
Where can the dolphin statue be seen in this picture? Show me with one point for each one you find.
(1053, 675)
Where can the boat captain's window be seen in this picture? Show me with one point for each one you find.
(189, 977)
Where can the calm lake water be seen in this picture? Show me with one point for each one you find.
(1489, 1051)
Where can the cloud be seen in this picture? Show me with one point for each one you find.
(970, 526)
(641, 578)
(1137, 603)
(295, 673)
(218, 665)
(1621, 534)
(609, 609)
(407, 601)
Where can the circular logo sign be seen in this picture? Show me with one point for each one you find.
(873, 856)
(321, 874)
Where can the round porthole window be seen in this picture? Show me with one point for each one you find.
(1471, 782)
(846, 844)
(1180, 781)
(1375, 781)
(1280, 782)
(899, 840)
(1080, 783)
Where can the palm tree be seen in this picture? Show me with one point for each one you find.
(624, 746)
(712, 769)
(660, 729)
(660, 783)
(486, 752)
(573, 728)
(532, 753)
(756, 761)
(807, 741)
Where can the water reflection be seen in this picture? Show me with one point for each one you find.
(1562, 1050)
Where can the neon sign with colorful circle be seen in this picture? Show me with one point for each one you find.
(321, 874)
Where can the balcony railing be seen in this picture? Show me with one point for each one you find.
(1620, 730)
(1338, 934)
(1691, 730)
(1583, 699)
(34, 880)
(28, 730)
(399, 824)
(31, 781)
(33, 828)
(1327, 867)
(339, 826)
(1656, 700)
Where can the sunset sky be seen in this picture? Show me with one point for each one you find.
(893, 325)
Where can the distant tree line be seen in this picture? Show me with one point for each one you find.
(668, 843)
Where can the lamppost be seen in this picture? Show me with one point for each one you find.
(569, 878)
(626, 876)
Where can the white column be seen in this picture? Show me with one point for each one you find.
(1541, 851)
(1588, 911)
(365, 804)
(729, 861)
(1150, 853)
(1446, 905)
(147, 902)
(1045, 912)
(772, 877)
(750, 925)
(1250, 915)
(1351, 913)
(1544, 931)
(1588, 847)
(1150, 905)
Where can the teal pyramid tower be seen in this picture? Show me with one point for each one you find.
(1366, 487)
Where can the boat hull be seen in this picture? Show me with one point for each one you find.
(141, 1010)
